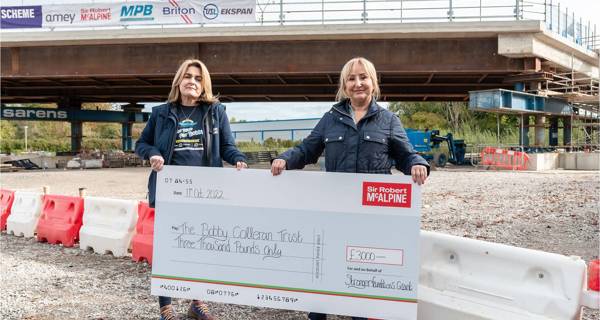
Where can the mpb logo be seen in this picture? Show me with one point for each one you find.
(211, 11)
(386, 194)
(137, 13)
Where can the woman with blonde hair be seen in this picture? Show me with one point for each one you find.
(357, 135)
(191, 129)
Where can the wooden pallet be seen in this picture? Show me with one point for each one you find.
(9, 168)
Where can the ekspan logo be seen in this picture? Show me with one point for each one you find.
(211, 11)
(137, 13)
(386, 194)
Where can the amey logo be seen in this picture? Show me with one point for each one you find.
(60, 17)
(211, 11)
(137, 13)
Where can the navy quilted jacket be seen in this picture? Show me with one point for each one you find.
(374, 145)
(158, 138)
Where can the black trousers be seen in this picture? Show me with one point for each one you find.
(322, 316)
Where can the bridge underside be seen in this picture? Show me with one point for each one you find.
(409, 69)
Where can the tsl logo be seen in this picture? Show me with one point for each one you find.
(386, 194)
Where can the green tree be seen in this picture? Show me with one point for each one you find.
(420, 115)
(8, 130)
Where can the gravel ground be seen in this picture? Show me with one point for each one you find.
(554, 211)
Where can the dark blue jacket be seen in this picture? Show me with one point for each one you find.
(158, 138)
(376, 144)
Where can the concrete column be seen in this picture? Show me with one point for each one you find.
(524, 130)
(126, 129)
(540, 130)
(519, 86)
(567, 129)
(76, 136)
(72, 104)
(553, 137)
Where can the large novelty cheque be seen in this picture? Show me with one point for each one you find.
(334, 243)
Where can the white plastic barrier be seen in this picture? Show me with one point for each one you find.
(25, 213)
(471, 279)
(108, 225)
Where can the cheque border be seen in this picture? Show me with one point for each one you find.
(261, 286)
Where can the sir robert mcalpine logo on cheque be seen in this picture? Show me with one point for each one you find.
(386, 194)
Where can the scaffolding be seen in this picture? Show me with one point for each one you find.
(577, 88)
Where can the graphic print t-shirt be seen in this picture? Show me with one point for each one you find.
(189, 148)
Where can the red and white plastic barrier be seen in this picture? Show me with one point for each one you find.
(141, 244)
(471, 279)
(60, 220)
(25, 213)
(6, 200)
(591, 297)
(108, 225)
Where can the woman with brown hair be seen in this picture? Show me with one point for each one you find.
(191, 129)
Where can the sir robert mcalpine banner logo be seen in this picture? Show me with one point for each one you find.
(386, 194)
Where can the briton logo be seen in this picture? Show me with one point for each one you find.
(386, 194)
(177, 10)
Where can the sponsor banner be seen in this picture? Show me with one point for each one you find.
(9, 113)
(47, 114)
(227, 11)
(21, 17)
(334, 243)
(129, 13)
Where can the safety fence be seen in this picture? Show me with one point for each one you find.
(506, 157)
(103, 225)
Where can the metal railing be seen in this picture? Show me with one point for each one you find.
(558, 18)
(381, 11)
(564, 22)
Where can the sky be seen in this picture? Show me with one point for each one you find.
(587, 9)
(276, 111)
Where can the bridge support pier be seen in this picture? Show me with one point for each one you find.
(553, 134)
(524, 130)
(126, 129)
(567, 129)
(73, 104)
(76, 136)
(540, 133)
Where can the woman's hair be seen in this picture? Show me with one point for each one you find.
(206, 96)
(369, 67)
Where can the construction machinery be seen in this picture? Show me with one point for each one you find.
(428, 144)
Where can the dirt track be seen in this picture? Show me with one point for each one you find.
(553, 211)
